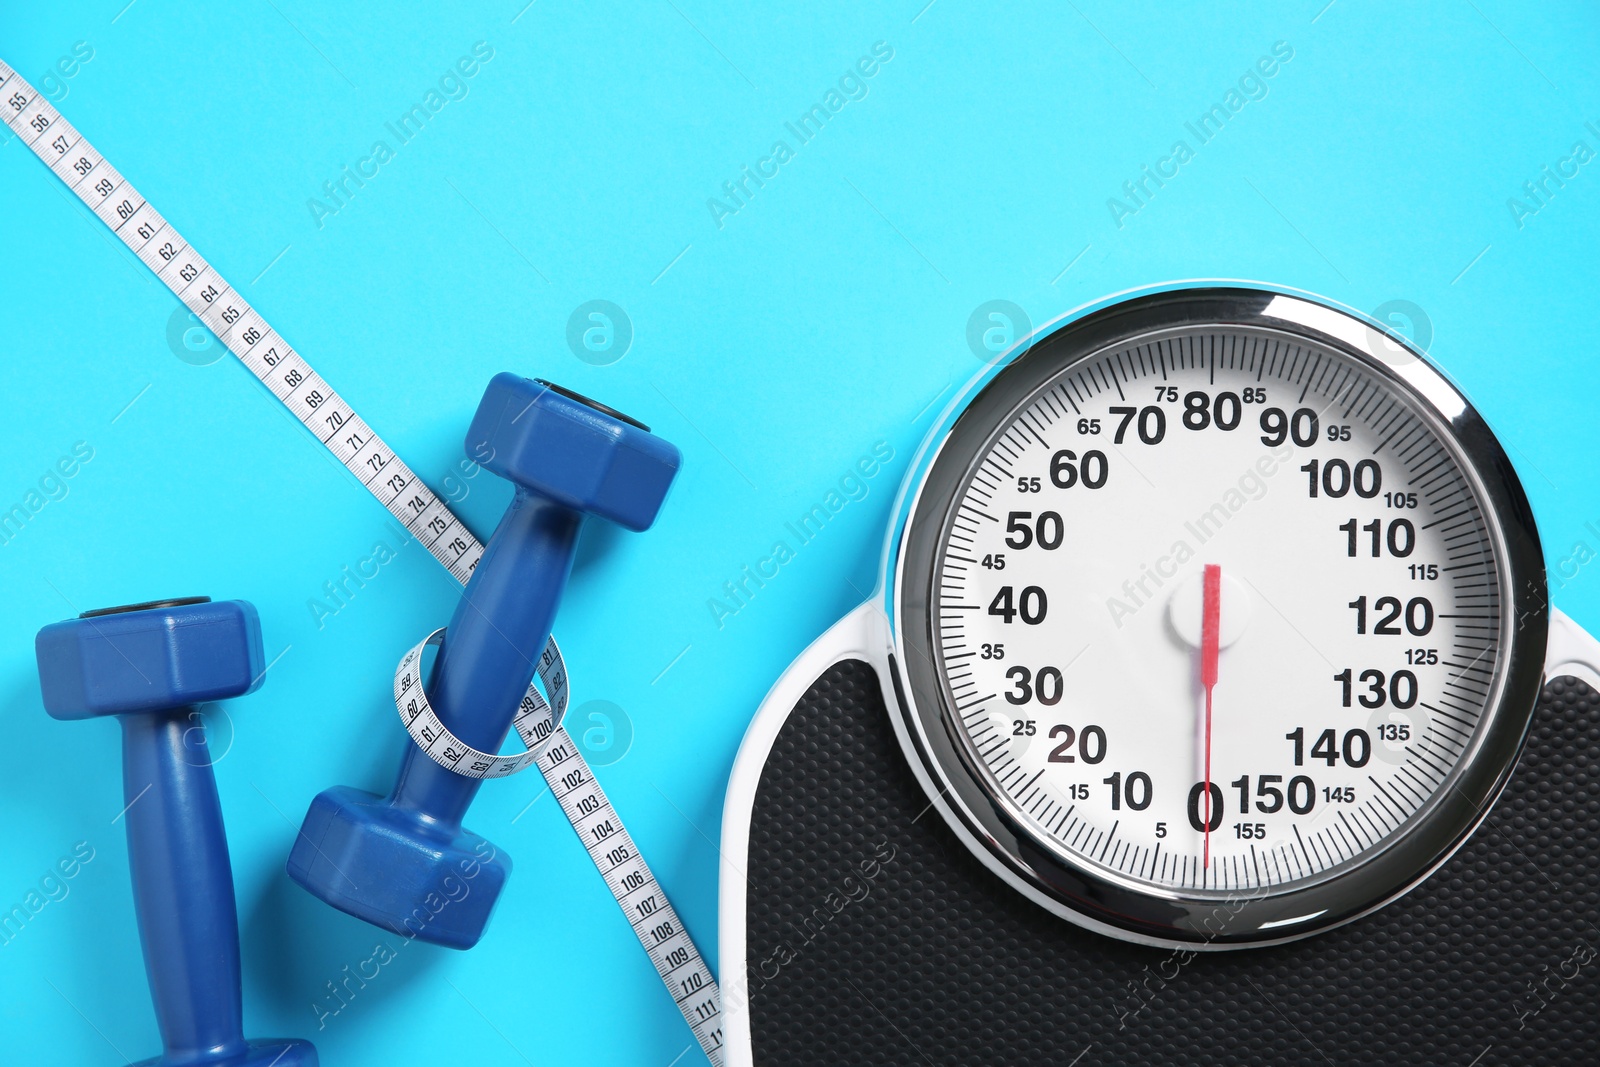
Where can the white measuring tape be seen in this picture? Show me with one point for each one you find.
(535, 721)
(246, 334)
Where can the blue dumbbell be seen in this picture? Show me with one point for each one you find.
(149, 665)
(403, 862)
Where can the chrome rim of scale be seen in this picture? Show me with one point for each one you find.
(1216, 536)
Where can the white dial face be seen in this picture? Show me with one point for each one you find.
(1354, 630)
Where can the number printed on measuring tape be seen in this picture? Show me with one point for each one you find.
(344, 433)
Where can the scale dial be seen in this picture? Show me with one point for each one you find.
(1371, 631)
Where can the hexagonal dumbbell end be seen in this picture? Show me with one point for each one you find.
(572, 450)
(149, 657)
(404, 862)
(150, 664)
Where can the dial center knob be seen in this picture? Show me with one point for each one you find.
(1186, 609)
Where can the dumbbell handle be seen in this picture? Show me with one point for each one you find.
(491, 648)
(182, 884)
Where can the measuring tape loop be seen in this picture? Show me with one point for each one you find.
(344, 433)
(536, 720)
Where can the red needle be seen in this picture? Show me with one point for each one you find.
(1210, 634)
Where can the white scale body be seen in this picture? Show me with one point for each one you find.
(1036, 632)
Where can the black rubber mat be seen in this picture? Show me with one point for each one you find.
(875, 937)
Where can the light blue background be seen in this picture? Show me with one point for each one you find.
(821, 318)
